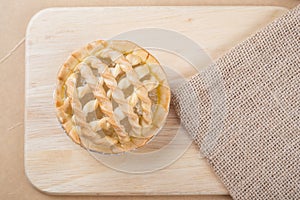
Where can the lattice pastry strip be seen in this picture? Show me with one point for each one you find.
(111, 96)
(116, 93)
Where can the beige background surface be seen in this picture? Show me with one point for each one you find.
(13, 20)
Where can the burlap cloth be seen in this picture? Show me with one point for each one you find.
(243, 112)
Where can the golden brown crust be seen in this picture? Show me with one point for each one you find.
(125, 55)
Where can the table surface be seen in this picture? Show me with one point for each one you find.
(15, 16)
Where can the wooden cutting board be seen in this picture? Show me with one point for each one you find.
(53, 163)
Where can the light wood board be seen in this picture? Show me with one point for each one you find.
(53, 163)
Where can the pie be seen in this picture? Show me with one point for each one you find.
(111, 96)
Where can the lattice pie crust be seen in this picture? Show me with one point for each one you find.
(111, 96)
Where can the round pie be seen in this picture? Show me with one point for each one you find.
(111, 96)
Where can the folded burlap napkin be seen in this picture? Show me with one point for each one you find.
(243, 112)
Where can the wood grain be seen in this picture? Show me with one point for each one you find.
(53, 163)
